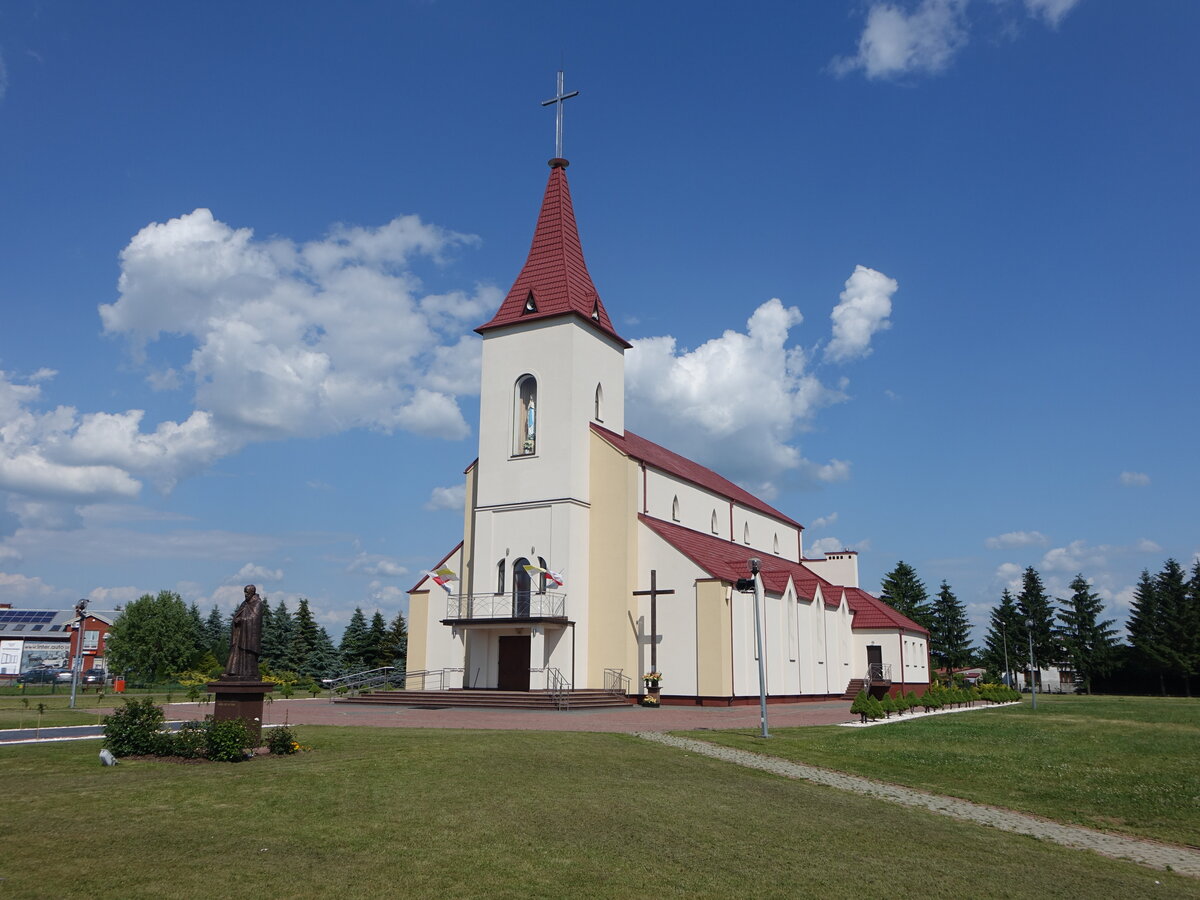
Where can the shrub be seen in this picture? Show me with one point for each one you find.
(189, 741)
(888, 704)
(861, 705)
(133, 730)
(875, 710)
(912, 700)
(901, 703)
(227, 741)
(282, 741)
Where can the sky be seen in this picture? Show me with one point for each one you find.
(922, 272)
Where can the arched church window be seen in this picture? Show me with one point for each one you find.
(776, 550)
(521, 589)
(500, 577)
(542, 576)
(714, 522)
(525, 416)
(599, 403)
(746, 533)
(675, 508)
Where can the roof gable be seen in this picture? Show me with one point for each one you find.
(554, 280)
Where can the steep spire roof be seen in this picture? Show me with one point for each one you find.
(554, 280)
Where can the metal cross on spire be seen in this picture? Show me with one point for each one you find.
(558, 100)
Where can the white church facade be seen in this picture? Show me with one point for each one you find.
(562, 488)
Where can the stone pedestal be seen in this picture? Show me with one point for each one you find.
(241, 700)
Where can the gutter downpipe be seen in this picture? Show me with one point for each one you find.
(902, 685)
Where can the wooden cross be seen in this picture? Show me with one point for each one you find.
(558, 99)
(654, 593)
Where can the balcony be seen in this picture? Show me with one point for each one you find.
(524, 606)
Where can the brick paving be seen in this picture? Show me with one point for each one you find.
(1148, 853)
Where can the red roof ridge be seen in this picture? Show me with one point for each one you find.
(640, 448)
(555, 273)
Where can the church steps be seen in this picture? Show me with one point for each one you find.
(852, 689)
(487, 699)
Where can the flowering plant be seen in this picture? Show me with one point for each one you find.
(652, 678)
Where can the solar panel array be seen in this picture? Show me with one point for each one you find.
(37, 616)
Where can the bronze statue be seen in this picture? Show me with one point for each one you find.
(245, 638)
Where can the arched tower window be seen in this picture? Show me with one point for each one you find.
(746, 533)
(776, 550)
(541, 576)
(714, 522)
(675, 508)
(500, 577)
(525, 416)
(521, 589)
(599, 403)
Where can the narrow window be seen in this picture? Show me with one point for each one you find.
(675, 508)
(525, 416)
(714, 522)
(776, 550)
(599, 403)
(500, 577)
(541, 576)
(746, 533)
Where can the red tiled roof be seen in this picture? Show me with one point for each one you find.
(639, 448)
(729, 561)
(445, 559)
(555, 272)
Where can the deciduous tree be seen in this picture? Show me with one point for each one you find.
(152, 637)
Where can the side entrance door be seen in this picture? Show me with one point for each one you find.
(875, 661)
(514, 663)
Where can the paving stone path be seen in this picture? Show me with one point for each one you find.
(1147, 853)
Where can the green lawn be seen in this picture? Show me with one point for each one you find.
(14, 714)
(1126, 764)
(400, 812)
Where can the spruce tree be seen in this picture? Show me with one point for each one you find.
(354, 646)
(1189, 626)
(216, 636)
(1087, 642)
(304, 637)
(1172, 588)
(324, 660)
(1146, 628)
(278, 633)
(377, 639)
(396, 644)
(1037, 621)
(196, 632)
(999, 647)
(950, 632)
(904, 592)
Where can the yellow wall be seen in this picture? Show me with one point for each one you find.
(468, 550)
(714, 639)
(418, 631)
(612, 642)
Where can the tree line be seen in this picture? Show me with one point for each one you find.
(1163, 629)
(158, 636)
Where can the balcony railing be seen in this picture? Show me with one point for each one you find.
(525, 605)
(879, 672)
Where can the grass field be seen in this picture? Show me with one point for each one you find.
(391, 812)
(1125, 764)
(15, 714)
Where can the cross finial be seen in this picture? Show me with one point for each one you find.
(558, 100)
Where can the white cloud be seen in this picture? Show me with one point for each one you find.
(252, 573)
(823, 521)
(1017, 539)
(1135, 479)
(895, 42)
(863, 309)
(112, 597)
(1079, 556)
(373, 564)
(23, 589)
(1051, 12)
(1145, 545)
(451, 497)
(1008, 575)
(735, 401)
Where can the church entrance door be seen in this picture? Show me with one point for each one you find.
(513, 674)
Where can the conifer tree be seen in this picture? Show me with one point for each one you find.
(950, 632)
(396, 645)
(304, 637)
(999, 648)
(216, 636)
(277, 636)
(1189, 626)
(904, 592)
(1087, 642)
(1034, 606)
(1146, 627)
(354, 646)
(377, 639)
(324, 660)
(196, 631)
(1172, 589)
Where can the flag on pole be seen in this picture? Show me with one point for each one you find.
(534, 570)
(443, 577)
(555, 578)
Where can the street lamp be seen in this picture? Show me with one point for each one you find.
(762, 672)
(77, 663)
(1008, 676)
(1032, 664)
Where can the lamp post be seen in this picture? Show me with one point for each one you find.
(762, 672)
(1032, 664)
(77, 663)
(1007, 671)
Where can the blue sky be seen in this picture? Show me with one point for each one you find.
(243, 248)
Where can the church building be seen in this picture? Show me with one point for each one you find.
(570, 520)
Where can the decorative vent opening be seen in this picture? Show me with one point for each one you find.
(530, 304)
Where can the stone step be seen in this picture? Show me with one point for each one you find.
(489, 699)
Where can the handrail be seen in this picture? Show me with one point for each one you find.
(616, 682)
(557, 686)
(523, 605)
(370, 678)
(420, 679)
(878, 672)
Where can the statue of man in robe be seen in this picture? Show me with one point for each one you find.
(245, 638)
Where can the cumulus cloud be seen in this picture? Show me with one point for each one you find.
(907, 38)
(23, 589)
(1050, 11)
(735, 401)
(1008, 575)
(863, 309)
(1079, 556)
(112, 597)
(451, 497)
(823, 521)
(1135, 479)
(1017, 539)
(252, 573)
(373, 564)
(895, 42)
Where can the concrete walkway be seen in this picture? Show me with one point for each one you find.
(1147, 853)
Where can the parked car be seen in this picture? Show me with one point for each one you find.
(63, 676)
(94, 676)
(43, 675)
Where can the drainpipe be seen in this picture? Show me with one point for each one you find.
(901, 633)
